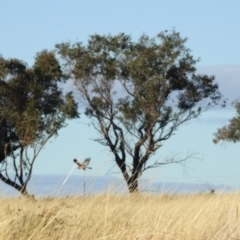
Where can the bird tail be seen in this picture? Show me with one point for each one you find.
(88, 167)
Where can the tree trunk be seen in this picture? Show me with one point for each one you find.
(22, 190)
(132, 184)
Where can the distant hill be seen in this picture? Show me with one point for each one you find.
(52, 185)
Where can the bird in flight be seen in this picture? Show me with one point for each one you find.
(83, 165)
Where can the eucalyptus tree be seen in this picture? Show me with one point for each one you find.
(32, 109)
(137, 93)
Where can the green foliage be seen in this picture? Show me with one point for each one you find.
(231, 132)
(141, 90)
(32, 109)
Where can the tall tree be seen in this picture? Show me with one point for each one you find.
(231, 132)
(138, 93)
(32, 109)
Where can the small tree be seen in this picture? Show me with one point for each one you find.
(32, 110)
(138, 93)
(231, 132)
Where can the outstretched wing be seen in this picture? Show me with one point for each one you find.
(86, 161)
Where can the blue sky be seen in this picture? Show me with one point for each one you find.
(212, 29)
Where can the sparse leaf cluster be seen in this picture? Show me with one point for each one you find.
(231, 132)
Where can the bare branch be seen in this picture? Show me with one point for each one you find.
(171, 160)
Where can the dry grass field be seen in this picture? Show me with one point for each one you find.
(109, 216)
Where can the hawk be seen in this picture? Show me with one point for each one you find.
(83, 165)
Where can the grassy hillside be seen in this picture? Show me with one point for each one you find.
(122, 217)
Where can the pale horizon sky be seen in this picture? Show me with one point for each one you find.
(212, 29)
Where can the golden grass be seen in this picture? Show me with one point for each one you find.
(109, 216)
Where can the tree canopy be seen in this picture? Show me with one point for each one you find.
(137, 93)
(32, 109)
